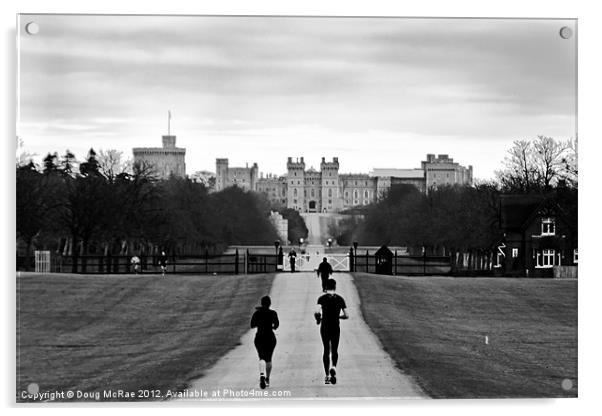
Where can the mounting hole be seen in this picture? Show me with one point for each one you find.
(32, 28)
(566, 32)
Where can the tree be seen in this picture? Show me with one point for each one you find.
(112, 164)
(91, 165)
(67, 162)
(296, 225)
(537, 165)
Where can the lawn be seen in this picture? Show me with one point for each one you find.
(94, 333)
(435, 328)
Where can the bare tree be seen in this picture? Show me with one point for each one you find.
(112, 163)
(548, 160)
(538, 164)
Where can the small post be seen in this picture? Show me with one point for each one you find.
(236, 262)
(395, 264)
(247, 262)
(351, 260)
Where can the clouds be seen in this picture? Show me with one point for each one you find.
(278, 81)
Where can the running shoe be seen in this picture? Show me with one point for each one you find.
(327, 380)
(267, 382)
(262, 381)
(333, 376)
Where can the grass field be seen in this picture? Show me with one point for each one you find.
(435, 328)
(94, 333)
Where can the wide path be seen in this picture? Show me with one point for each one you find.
(364, 369)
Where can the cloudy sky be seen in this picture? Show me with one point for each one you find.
(380, 92)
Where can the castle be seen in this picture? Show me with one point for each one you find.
(327, 190)
(166, 161)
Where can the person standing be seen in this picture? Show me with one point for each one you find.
(163, 263)
(324, 271)
(135, 264)
(266, 321)
(292, 255)
(330, 306)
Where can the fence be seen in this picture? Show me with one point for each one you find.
(402, 265)
(181, 264)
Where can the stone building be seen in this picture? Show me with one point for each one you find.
(225, 176)
(166, 161)
(328, 190)
(442, 170)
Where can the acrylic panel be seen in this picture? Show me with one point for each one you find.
(267, 208)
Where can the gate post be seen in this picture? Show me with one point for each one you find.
(351, 260)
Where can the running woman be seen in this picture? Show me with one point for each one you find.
(330, 306)
(265, 320)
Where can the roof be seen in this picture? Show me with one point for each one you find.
(516, 209)
(398, 173)
(383, 251)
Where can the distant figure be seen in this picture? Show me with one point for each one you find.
(330, 306)
(265, 320)
(163, 263)
(324, 271)
(292, 255)
(135, 264)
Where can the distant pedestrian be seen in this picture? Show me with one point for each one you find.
(330, 306)
(163, 263)
(324, 271)
(135, 262)
(292, 256)
(266, 321)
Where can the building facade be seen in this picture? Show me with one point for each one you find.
(166, 161)
(328, 190)
(540, 238)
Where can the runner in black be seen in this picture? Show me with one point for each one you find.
(328, 314)
(265, 320)
(324, 271)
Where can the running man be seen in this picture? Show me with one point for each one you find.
(330, 305)
(265, 320)
(163, 263)
(324, 271)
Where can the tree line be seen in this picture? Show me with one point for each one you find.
(461, 218)
(105, 207)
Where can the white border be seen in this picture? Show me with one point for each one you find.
(589, 146)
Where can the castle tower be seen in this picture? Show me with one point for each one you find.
(296, 184)
(330, 184)
(221, 174)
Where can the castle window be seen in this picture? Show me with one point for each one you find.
(295, 192)
(346, 195)
(548, 226)
(366, 194)
(355, 194)
(313, 193)
(330, 193)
